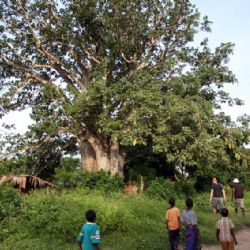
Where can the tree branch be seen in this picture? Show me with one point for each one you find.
(56, 62)
(35, 76)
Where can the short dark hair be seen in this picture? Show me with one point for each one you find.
(224, 212)
(189, 203)
(171, 201)
(90, 216)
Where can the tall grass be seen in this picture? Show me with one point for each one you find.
(53, 220)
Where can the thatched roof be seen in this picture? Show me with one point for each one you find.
(25, 181)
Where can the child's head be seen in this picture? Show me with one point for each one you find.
(189, 203)
(90, 216)
(224, 212)
(171, 202)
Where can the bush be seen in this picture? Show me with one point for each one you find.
(161, 188)
(53, 220)
(203, 183)
(14, 166)
(62, 216)
(185, 188)
(142, 170)
(44, 216)
(69, 175)
(102, 181)
(10, 202)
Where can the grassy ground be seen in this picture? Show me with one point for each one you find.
(52, 221)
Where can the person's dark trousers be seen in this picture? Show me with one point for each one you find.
(174, 239)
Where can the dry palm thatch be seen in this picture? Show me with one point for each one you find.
(25, 182)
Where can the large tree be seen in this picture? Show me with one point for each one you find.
(113, 73)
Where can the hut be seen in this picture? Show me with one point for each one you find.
(25, 182)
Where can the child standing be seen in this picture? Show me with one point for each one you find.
(189, 220)
(173, 225)
(89, 237)
(224, 231)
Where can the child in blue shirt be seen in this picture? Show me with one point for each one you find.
(89, 237)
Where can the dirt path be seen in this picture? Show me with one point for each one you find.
(243, 238)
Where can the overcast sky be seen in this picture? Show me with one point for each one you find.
(231, 23)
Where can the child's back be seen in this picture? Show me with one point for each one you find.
(173, 224)
(225, 225)
(89, 236)
(224, 231)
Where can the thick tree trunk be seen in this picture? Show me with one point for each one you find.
(117, 158)
(88, 158)
(96, 157)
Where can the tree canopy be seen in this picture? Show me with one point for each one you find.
(111, 75)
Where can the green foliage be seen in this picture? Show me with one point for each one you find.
(10, 202)
(70, 175)
(144, 164)
(122, 68)
(53, 220)
(136, 172)
(112, 218)
(62, 216)
(102, 180)
(203, 184)
(185, 188)
(160, 188)
(16, 165)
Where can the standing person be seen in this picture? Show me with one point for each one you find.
(225, 231)
(238, 196)
(217, 196)
(173, 224)
(89, 237)
(189, 220)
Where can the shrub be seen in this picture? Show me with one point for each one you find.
(14, 166)
(185, 188)
(43, 216)
(53, 220)
(143, 170)
(10, 202)
(203, 183)
(113, 218)
(62, 216)
(102, 181)
(68, 175)
(161, 188)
